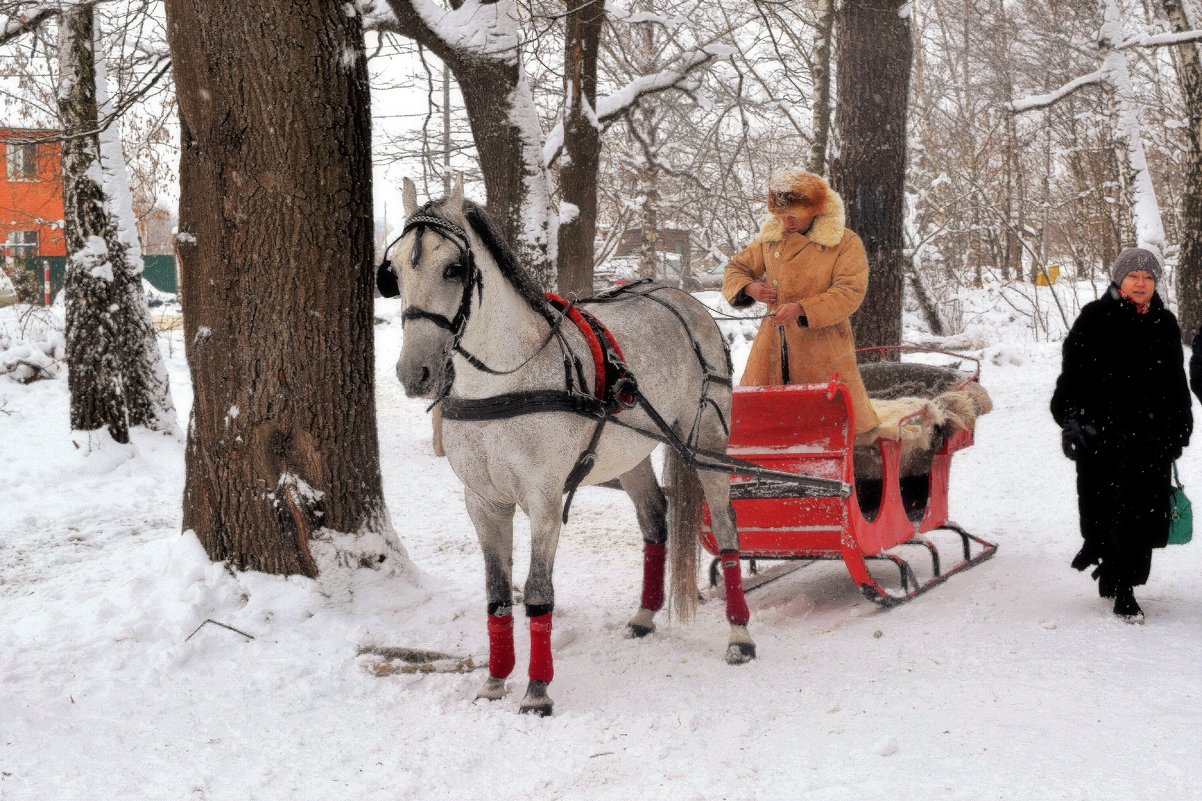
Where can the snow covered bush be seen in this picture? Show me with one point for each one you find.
(25, 361)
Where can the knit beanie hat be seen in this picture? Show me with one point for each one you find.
(1133, 259)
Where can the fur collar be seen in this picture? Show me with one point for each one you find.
(827, 229)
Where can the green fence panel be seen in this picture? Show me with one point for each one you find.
(160, 272)
(58, 272)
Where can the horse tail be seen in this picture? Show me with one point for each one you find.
(684, 492)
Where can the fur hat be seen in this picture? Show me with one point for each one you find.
(1133, 259)
(797, 192)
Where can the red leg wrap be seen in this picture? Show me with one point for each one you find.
(653, 575)
(500, 646)
(736, 604)
(541, 666)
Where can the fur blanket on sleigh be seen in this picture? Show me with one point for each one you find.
(941, 397)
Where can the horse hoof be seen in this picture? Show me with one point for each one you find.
(536, 702)
(493, 690)
(634, 631)
(641, 624)
(740, 653)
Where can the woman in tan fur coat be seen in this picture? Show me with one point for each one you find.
(812, 272)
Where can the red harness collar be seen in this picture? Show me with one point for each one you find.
(589, 326)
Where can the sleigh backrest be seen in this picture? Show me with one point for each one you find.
(806, 429)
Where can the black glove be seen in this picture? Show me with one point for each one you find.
(1074, 438)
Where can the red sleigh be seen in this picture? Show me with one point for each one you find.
(810, 430)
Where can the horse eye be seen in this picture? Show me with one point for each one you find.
(453, 270)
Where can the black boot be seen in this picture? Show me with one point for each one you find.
(1088, 555)
(1125, 605)
(1107, 585)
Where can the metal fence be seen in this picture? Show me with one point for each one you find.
(160, 271)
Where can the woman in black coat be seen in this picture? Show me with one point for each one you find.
(1123, 405)
(1195, 365)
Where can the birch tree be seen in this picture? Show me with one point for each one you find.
(117, 377)
(1114, 74)
(95, 374)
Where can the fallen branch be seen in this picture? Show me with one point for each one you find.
(215, 623)
(415, 661)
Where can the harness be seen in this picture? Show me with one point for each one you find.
(615, 386)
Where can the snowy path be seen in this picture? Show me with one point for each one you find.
(1012, 681)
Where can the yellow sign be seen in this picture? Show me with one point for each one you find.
(1047, 277)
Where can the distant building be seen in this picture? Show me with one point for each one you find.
(671, 240)
(156, 230)
(31, 193)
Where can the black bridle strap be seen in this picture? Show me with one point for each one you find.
(473, 277)
(481, 366)
(414, 313)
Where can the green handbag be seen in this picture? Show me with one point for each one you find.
(1181, 515)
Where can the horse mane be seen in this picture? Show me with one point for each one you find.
(502, 254)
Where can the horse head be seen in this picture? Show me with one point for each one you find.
(435, 265)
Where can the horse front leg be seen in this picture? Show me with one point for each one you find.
(741, 648)
(650, 506)
(494, 528)
(545, 514)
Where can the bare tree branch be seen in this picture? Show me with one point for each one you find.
(21, 18)
(1043, 101)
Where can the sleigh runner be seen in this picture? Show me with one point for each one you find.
(809, 430)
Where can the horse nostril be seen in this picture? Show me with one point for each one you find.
(425, 376)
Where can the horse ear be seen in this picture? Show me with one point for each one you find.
(457, 191)
(409, 197)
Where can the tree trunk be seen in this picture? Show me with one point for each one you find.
(649, 219)
(94, 377)
(1137, 178)
(874, 54)
(145, 388)
(1189, 264)
(822, 86)
(275, 251)
(495, 95)
(505, 128)
(926, 299)
(581, 147)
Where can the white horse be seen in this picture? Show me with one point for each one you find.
(522, 423)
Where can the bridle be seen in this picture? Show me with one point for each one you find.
(463, 268)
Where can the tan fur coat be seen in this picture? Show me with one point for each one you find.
(826, 271)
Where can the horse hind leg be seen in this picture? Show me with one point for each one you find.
(651, 508)
(494, 528)
(716, 486)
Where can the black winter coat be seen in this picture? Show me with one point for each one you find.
(1195, 365)
(1124, 377)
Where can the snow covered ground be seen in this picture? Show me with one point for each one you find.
(1011, 681)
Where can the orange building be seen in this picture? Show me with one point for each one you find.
(31, 193)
